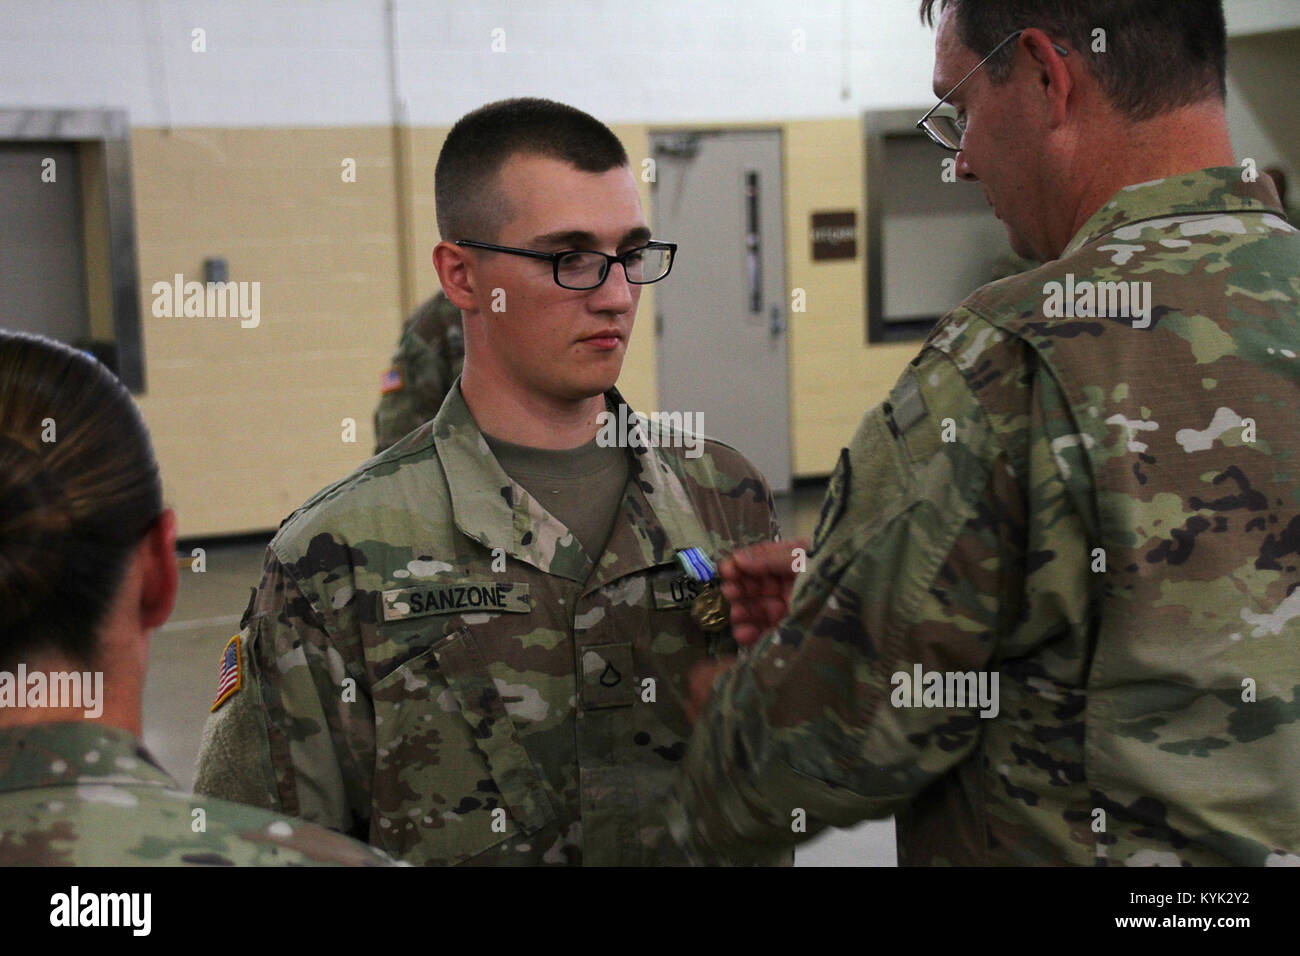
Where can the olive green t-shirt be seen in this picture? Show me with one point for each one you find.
(582, 486)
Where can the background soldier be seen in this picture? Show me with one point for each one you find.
(87, 572)
(1094, 501)
(428, 359)
(475, 648)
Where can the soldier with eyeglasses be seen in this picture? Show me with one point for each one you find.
(1080, 495)
(474, 649)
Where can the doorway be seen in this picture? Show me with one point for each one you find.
(720, 317)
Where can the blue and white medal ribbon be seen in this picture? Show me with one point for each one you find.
(709, 609)
(697, 565)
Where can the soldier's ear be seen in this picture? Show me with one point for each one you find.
(157, 551)
(456, 273)
(1054, 80)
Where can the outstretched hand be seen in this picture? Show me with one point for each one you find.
(757, 582)
(699, 684)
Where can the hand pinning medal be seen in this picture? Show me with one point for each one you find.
(710, 609)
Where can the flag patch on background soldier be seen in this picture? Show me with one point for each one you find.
(231, 678)
(391, 381)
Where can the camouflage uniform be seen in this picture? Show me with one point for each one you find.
(428, 359)
(445, 673)
(1010, 264)
(81, 794)
(1076, 505)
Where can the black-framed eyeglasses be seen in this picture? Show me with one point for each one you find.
(581, 269)
(948, 131)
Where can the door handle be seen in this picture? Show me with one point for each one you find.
(776, 322)
(753, 243)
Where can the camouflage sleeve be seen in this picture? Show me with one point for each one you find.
(234, 761)
(773, 521)
(318, 724)
(908, 576)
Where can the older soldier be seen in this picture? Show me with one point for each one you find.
(1052, 606)
(475, 648)
(87, 571)
(428, 359)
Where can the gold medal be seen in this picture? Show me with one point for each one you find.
(710, 609)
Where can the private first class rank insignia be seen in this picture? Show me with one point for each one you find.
(709, 609)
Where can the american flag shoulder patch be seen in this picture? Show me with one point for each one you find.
(391, 381)
(231, 673)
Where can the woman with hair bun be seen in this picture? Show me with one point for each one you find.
(87, 572)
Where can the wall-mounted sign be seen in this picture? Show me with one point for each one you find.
(834, 235)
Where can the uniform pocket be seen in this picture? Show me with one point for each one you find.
(452, 777)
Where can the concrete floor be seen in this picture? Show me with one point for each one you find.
(186, 651)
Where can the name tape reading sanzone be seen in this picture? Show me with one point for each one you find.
(501, 597)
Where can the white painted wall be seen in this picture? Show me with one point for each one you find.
(324, 62)
(1261, 16)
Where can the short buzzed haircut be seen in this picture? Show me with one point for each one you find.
(1159, 54)
(469, 203)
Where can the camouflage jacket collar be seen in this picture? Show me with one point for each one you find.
(67, 754)
(655, 517)
(1204, 192)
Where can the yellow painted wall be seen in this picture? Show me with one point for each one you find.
(834, 375)
(247, 422)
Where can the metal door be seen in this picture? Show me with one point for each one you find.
(42, 266)
(720, 316)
